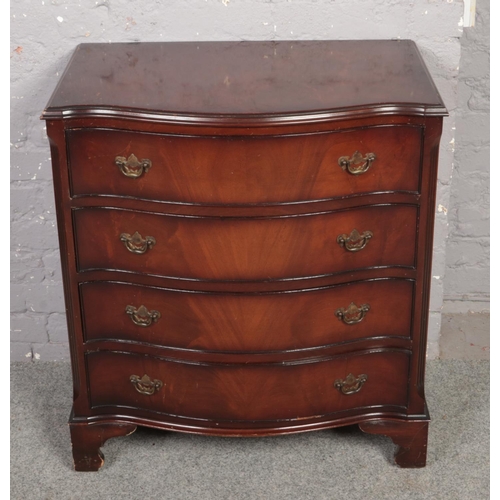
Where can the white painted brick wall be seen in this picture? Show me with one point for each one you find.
(43, 36)
(467, 283)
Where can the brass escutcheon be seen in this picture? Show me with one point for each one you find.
(136, 243)
(141, 316)
(357, 164)
(353, 314)
(132, 167)
(351, 385)
(355, 241)
(145, 385)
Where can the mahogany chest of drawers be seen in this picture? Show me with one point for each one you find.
(246, 237)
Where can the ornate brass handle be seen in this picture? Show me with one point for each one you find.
(131, 166)
(357, 164)
(141, 316)
(351, 385)
(145, 385)
(355, 241)
(353, 314)
(136, 243)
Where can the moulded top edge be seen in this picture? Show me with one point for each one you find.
(247, 120)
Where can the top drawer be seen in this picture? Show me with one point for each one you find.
(240, 170)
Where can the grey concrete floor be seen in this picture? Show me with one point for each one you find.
(344, 464)
(465, 336)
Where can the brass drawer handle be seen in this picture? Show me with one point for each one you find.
(357, 164)
(132, 167)
(136, 243)
(141, 316)
(145, 385)
(355, 241)
(351, 385)
(353, 314)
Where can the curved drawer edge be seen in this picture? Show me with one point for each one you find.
(153, 208)
(290, 208)
(344, 276)
(293, 362)
(316, 354)
(257, 286)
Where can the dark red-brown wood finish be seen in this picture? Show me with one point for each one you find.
(246, 237)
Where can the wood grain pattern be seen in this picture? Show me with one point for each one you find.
(245, 249)
(247, 322)
(246, 200)
(248, 393)
(240, 170)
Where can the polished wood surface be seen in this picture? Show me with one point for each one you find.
(238, 170)
(247, 322)
(245, 199)
(245, 249)
(286, 78)
(88, 439)
(410, 437)
(247, 392)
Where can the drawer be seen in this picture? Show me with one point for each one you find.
(236, 170)
(247, 322)
(247, 392)
(245, 249)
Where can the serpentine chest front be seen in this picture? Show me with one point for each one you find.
(246, 237)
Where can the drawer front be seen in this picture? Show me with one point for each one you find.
(247, 322)
(234, 170)
(248, 392)
(245, 249)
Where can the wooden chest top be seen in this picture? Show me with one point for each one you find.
(262, 81)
